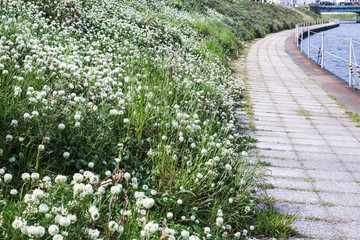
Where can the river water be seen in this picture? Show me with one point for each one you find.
(339, 47)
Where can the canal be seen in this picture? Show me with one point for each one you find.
(336, 41)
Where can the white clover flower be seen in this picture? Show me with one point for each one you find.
(228, 167)
(53, 230)
(36, 231)
(237, 235)
(148, 202)
(58, 237)
(9, 138)
(91, 165)
(47, 179)
(66, 155)
(101, 190)
(185, 234)
(38, 193)
(88, 190)
(203, 151)
(192, 218)
(21, 139)
(64, 221)
(94, 233)
(13, 192)
(72, 218)
(231, 200)
(60, 179)
(114, 112)
(14, 123)
(126, 120)
(179, 201)
(35, 176)
(77, 124)
(7, 177)
(153, 192)
(17, 223)
(127, 176)
(35, 113)
(77, 117)
(169, 215)
(193, 237)
(207, 230)
(219, 221)
(145, 187)
(61, 126)
(41, 147)
(108, 173)
(252, 228)
(93, 209)
(43, 208)
(78, 178)
(113, 226)
(24, 230)
(116, 189)
(150, 228)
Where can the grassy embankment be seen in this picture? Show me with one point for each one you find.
(118, 120)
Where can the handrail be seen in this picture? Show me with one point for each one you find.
(307, 30)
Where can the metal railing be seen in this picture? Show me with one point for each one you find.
(305, 30)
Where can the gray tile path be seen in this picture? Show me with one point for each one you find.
(311, 144)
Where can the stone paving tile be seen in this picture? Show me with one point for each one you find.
(341, 198)
(313, 142)
(332, 165)
(304, 136)
(273, 139)
(319, 229)
(354, 167)
(304, 210)
(275, 146)
(348, 158)
(337, 186)
(294, 196)
(349, 230)
(311, 156)
(334, 143)
(346, 150)
(283, 162)
(313, 149)
(329, 175)
(344, 213)
(289, 183)
(287, 172)
(277, 154)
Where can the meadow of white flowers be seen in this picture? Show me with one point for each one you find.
(116, 122)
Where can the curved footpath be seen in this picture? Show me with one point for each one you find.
(307, 136)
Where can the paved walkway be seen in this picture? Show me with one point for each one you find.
(312, 145)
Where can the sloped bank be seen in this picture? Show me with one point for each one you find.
(118, 119)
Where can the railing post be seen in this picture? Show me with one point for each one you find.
(350, 77)
(301, 39)
(297, 35)
(322, 50)
(308, 42)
